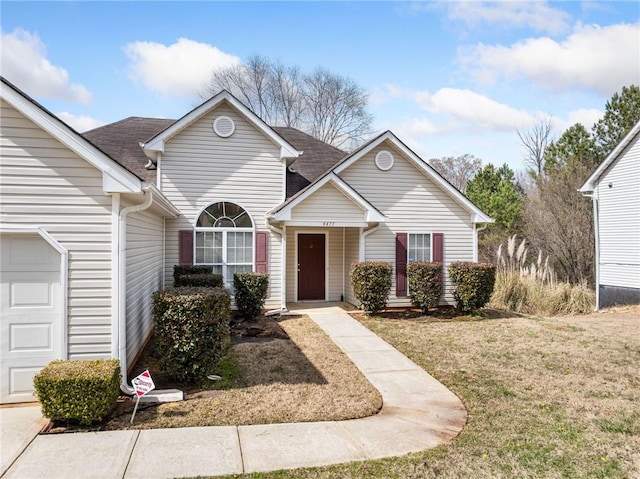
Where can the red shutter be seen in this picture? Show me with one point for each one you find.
(438, 241)
(185, 246)
(401, 264)
(262, 257)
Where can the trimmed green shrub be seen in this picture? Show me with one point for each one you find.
(473, 283)
(425, 284)
(250, 293)
(371, 282)
(196, 276)
(82, 392)
(192, 327)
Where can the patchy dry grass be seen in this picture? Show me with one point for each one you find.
(305, 379)
(548, 398)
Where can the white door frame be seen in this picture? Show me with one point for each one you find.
(62, 338)
(326, 262)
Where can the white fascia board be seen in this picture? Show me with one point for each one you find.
(478, 216)
(592, 181)
(115, 179)
(372, 214)
(157, 142)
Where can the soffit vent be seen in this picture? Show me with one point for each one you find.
(224, 126)
(384, 160)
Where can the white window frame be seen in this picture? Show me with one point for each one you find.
(228, 282)
(409, 234)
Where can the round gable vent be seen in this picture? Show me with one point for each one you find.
(224, 126)
(384, 160)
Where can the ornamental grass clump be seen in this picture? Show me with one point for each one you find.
(425, 284)
(533, 288)
(75, 391)
(371, 282)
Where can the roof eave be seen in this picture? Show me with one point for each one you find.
(594, 178)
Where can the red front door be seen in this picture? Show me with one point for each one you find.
(311, 267)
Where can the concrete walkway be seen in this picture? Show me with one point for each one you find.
(418, 413)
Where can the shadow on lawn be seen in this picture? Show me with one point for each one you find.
(441, 314)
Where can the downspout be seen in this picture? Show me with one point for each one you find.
(283, 267)
(122, 288)
(596, 237)
(363, 237)
(475, 240)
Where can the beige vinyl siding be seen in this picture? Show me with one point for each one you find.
(619, 220)
(351, 255)
(144, 276)
(199, 168)
(328, 204)
(412, 203)
(45, 184)
(333, 262)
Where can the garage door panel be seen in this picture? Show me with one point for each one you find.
(31, 299)
(31, 338)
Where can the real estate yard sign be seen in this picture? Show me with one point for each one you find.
(142, 384)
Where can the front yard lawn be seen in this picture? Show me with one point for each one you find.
(547, 398)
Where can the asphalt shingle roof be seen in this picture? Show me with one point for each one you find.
(317, 158)
(121, 141)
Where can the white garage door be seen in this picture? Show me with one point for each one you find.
(30, 312)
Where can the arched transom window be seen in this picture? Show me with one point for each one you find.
(224, 239)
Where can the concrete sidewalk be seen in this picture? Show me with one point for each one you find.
(418, 413)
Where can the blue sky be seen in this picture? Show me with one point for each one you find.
(447, 77)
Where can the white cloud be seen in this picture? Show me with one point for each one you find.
(586, 116)
(80, 123)
(474, 109)
(536, 15)
(23, 62)
(181, 69)
(601, 59)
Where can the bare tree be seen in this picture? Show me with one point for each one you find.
(337, 108)
(328, 106)
(457, 170)
(535, 141)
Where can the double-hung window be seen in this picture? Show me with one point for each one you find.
(419, 247)
(224, 239)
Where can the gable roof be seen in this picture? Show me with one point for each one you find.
(316, 158)
(121, 140)
(592, 181)
(156, 143)
(478, 216)
(115, 177)
(283, 211)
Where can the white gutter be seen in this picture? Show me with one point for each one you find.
(122, 287)
(283, 266)
(363, 237)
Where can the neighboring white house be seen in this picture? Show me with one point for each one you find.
(615, 189)
(92, 224)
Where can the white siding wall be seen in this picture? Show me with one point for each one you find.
(327, 204)
(43, 183)
(619, 220)
(144, 276)
(334, 276)
(199, 168)
(412, 203)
